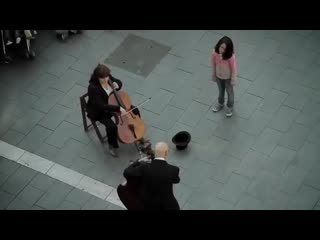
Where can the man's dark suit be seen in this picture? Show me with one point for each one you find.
(157, 179)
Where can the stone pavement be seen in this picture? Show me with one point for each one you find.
(23, 188)
(267, 156)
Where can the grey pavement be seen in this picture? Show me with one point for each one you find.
(22, 188)
(267, 156)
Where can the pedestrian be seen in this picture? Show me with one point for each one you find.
(224, 72)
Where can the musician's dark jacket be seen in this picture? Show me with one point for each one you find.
(97, 105)
(157, 179)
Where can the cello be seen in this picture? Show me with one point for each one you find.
(130, 126)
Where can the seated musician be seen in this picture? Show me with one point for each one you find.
(98, 108)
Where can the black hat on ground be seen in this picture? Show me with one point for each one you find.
(181, 140)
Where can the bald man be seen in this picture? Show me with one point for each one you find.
(157, 179)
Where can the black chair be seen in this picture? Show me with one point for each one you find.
(83, 103)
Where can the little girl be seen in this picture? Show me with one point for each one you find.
(224, 73)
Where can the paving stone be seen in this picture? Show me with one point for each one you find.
(81, 165)
(203, 196)
(8, 167)
(155, 134)
(233, 189)
(250, 68)
(39, 86)
(203, 131)
(247, 202)
(294, 138)
(20, 106)
(283, 119)
(224, 167)
(267, 141)
(306, 199)
(207, 42)
(208, 94)
(18, 204)
(288, 80)
(158, 103)
(240, 88)
(279, 160)
(5, 199)
(34, 139)
(68, 81)
(229, 128)
(251, 164)
(182, 99)
(54, 117)
(30, 195)
(307, 156)
(175, 80)
(299, 97)
(197, 172)
(60, 65)
(308, 116)
(245, 49)
(312, 178)
(256, 123)
(182, 193)
(78, 197)
(240, 145)
(6, 121)
(314, 135)
(42, 182)
(28, 121)
(72, 98)
(193, 114)
(266, 49)
(54, 195)
(272, 102)
(114, 207)
(168, 117)
(192, 60)
(12, 137)
(266, 187)
(293, 179)
(290, 46)
(264, 83)
(35, 207)
(65, 131)
(17, 181)
(167, 64)
(48, 100)
(218, 204)
(47, 151)
(66, 205)
(95, 203)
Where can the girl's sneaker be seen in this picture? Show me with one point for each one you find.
(217, 107)
(229, 112)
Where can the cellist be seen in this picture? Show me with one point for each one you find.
(98, 108)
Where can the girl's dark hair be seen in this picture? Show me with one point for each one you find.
(101, 71)
(229, 47)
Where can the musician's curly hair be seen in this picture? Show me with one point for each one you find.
(101, 71)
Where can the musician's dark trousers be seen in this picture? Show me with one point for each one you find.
(111, 128)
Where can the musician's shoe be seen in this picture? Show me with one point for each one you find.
(113, 151)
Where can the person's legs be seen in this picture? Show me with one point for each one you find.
(222, 86)
(111, 129)
(230, 93)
